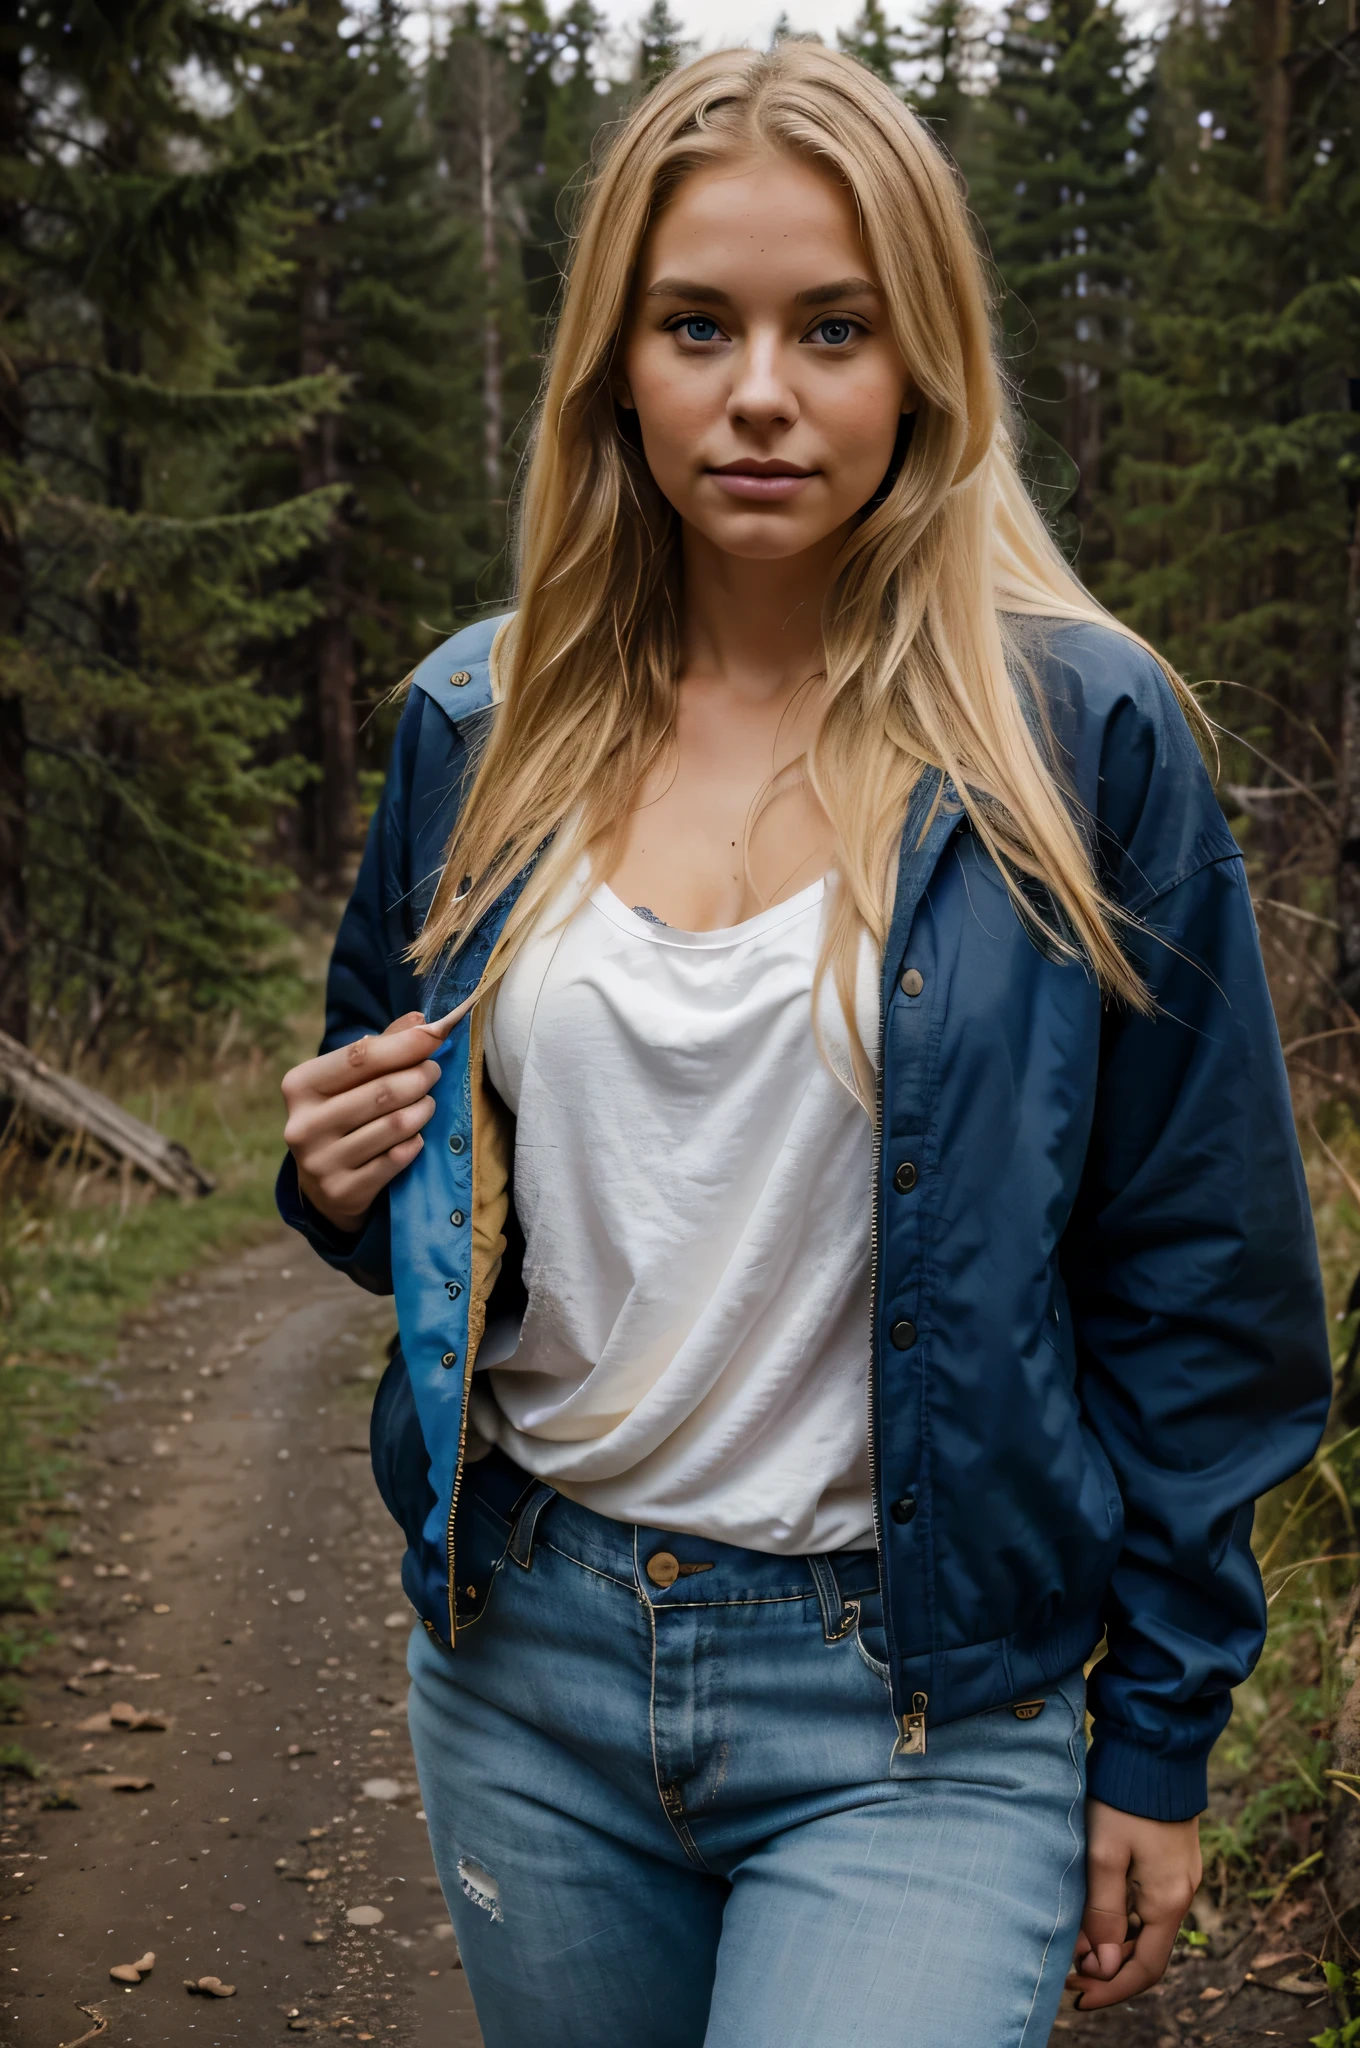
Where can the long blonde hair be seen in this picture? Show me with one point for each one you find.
(924, 666)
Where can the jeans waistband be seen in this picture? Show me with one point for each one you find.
(667, 1567)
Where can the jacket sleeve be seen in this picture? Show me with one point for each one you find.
(369, 982)
(1202, 1347)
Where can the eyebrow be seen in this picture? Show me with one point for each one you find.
(712, 295)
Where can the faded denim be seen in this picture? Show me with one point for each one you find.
(677, 1817)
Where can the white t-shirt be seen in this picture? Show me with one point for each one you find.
(693, 1182)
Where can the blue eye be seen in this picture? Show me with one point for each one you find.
(836, 331)
(699, 328)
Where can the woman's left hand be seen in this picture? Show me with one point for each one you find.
(1140, 1878)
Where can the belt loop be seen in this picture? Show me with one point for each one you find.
(527, 1512)
(838, 1615)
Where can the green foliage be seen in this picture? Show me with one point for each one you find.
(149, 775)
(877, 44)
(1228, 509)
(1059, 178)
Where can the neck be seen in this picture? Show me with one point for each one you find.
(755, 627)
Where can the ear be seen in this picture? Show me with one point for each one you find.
(622, 395)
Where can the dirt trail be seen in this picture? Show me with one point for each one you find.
(238, 1570)
(234, 1546)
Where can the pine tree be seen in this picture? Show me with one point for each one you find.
(366, 284)
(874, 41)
(939, 61)
(144, 802)
(1230, 506)
(1058, 177)
(661, 43)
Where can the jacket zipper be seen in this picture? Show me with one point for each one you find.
(470, 1357)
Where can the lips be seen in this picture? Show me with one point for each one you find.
(750, 465)
(761, 482)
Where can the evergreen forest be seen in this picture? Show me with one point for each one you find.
(277, 283)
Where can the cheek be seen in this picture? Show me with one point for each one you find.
(673, 413)
(861, 419)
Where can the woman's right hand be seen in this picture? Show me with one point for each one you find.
(355, 1115)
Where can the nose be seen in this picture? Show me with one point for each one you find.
(762, 393)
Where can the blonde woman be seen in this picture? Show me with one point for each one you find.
(850, 1248)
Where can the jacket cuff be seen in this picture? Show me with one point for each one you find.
(362, 1255)
(1123, 1774)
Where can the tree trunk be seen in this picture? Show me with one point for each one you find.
(1276, 101)
(493, 408)
(334, 836)
(14, 991)
(1348, 866)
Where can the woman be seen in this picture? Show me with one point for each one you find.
(849, 1241)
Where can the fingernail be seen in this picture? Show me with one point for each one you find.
(441, 1026)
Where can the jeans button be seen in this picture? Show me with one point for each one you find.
(663, 1568)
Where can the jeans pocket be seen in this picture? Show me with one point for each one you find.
(871, 1638)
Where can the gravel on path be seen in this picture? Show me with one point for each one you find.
(235, 1589)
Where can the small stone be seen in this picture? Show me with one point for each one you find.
(236, 1907)
(382, 1788)
(223, 1757)
(297, 1594)
(284, 1454)
(161, 1607)
(365, 1916)
(401, 1620)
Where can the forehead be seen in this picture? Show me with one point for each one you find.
(759, 220)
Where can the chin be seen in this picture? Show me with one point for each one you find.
(762, 538)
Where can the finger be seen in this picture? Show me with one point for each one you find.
(1144, 1964)
(409, 1022)
(1105, 1921)
(346, 1198)
(367, 1059)
(354, 1151)
(316, 1122)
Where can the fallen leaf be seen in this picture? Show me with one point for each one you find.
(1283, 1955)
(133, 1973)
(132, 1784)
(77, 1685)
(123, 1714)
(60, 1798)
(317, 1876)
(1213, 1991)
(1297, 1987)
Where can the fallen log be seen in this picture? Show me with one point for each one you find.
(54, 1102)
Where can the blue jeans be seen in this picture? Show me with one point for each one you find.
(677, 1815)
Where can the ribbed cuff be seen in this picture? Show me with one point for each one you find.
(1136, 1780)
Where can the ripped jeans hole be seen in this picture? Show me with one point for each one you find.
(480, 1886)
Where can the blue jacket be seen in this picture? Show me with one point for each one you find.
(1097, 1322)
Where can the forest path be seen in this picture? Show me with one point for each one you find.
(231, 1491)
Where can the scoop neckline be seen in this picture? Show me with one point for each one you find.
(617, 911)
